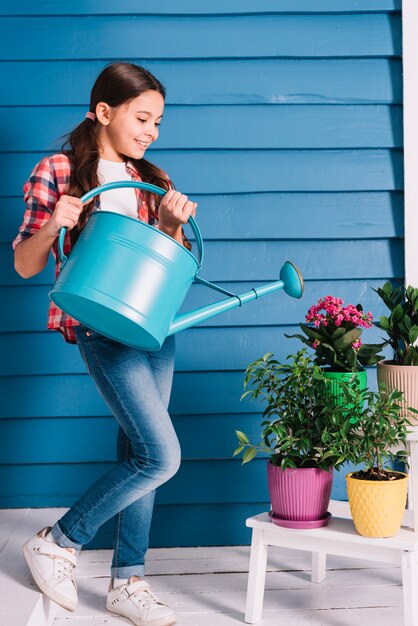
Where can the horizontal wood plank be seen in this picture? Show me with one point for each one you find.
(75, 395)
(272, 81)
(312, 604)
(63, 483)
(95, 439)
(221, 127)
(23, 354)
(191, 7)
(279, 215)
(262, 260)
(344, 35)
(246, 171)
(27, 305)
(197, 393)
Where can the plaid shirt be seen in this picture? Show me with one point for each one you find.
(47, 183)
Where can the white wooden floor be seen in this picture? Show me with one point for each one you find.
(205, 586)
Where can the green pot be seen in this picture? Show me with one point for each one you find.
(336, 378)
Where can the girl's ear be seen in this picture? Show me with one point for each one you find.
(103, 112)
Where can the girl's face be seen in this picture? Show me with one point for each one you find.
(127, 130)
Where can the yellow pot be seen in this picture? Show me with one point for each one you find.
(377, 506)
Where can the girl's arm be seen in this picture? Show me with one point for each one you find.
(31, 254)
(177, 234)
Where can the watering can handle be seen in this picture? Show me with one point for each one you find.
(138, 185)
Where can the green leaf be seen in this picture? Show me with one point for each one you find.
(413, 334)
(311, 333)
(242, 437)
(397, 314)
(248, 455)
(351, 356)
(370, 360)
(238, 450)
(407, 360)
(372, 348)
(384, 322)
(348, 339)
(338, 333)
(307, 342)
(387, 289)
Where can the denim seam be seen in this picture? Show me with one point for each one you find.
(120, 512)
(129, 477)
(83, 351)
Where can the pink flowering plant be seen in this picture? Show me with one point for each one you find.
(334, 331)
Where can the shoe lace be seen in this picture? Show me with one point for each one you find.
(65, 569)
(145, 598)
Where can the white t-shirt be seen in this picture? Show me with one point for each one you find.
(121, 200)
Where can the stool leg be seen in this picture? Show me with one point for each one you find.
(256, 577)
(319, 566)
(410, 582)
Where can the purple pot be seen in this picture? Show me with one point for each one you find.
(301, 494)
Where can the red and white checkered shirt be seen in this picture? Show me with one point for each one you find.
(47, 183)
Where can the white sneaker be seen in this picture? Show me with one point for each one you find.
(52, 569)
(138, 603)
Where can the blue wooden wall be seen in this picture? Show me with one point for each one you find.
(284, 122)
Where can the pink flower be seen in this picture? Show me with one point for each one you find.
(315, 344)
(329, 312)
(357, 344)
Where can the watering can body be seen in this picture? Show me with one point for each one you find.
(127, 280)
(114, 277)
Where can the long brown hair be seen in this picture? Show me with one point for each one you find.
(115, 85)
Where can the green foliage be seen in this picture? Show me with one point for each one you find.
(301, 425)
(380, 426)
(402, 324)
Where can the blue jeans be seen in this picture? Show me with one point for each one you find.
(136, 386)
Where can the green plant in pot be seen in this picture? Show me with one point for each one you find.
(377, 494)
(401, 327)
(333, 331)
(304, 434)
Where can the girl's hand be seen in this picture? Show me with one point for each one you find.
(174, 210)
(67, 212)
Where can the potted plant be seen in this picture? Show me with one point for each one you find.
(334, 331)
(377, 494)
(304, 434)
(402, 329)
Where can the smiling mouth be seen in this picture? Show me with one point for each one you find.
(142, 144)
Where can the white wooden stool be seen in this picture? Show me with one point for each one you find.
(339, 537)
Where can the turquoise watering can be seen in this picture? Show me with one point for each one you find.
(126, 279)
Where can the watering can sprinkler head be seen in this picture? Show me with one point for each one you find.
(292, 280)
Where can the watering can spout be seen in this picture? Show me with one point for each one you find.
(291, 282)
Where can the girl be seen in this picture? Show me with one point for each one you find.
(126, 108)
